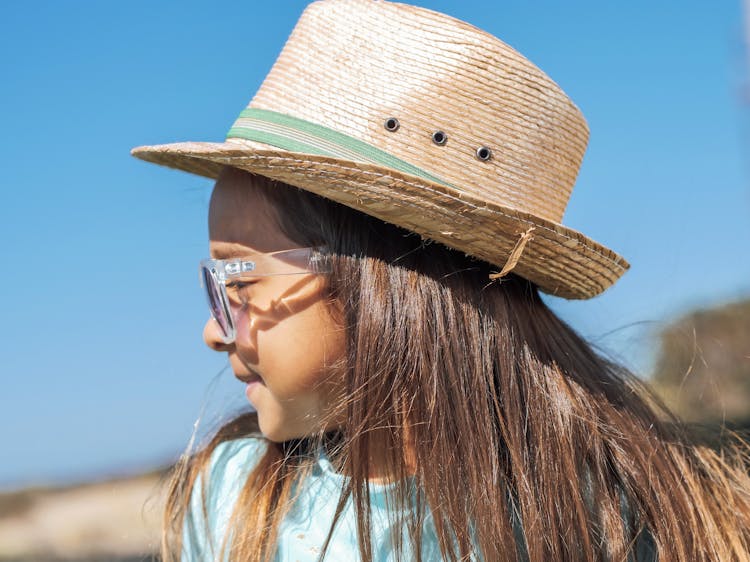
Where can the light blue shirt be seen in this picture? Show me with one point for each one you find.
(303, 531)
(305, 528)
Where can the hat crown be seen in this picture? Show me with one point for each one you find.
(351, 65)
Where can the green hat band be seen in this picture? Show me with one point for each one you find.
(297, 135)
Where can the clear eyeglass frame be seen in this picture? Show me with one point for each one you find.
(216, 274)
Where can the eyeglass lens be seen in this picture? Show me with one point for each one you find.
(215, 301)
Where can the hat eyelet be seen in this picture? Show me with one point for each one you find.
(484, 153)
(391, 124)
(439, 138)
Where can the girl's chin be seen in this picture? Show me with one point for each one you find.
(277, 430)
(273, 434)
(251, 389)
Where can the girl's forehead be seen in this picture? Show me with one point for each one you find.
(239, 216)
(234, 193)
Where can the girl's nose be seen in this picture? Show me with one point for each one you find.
(212, 336)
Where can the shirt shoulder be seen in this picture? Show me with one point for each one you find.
(212, 501)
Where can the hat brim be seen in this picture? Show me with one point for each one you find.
(559, 260)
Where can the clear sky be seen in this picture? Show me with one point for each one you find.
(102, 362)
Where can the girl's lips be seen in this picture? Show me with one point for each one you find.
(249, 379)
(247, 375)
(243, 371)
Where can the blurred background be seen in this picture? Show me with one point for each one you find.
(104, 372)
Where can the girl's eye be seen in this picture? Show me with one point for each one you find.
(239, 291)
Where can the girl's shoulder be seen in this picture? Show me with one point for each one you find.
(213, 498)
(231, 461)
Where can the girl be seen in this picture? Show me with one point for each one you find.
(385, 213)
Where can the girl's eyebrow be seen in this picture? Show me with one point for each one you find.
(226, 250)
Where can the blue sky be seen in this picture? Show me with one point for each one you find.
(102, 363)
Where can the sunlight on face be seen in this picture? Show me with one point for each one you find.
(287, 338)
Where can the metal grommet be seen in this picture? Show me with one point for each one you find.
(439, 138)
(484, 153)
(391, 124)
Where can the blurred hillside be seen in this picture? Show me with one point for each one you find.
(703, 367)
(113, 521)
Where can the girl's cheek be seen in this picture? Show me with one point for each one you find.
(242, 322)
(246, 341)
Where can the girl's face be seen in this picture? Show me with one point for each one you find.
(287, 337)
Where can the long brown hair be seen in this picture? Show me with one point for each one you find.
(524, 442)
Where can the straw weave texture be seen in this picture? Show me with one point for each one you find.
(350, 65)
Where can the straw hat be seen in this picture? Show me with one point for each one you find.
(426, 122)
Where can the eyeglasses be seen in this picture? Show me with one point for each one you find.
(223, 280)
